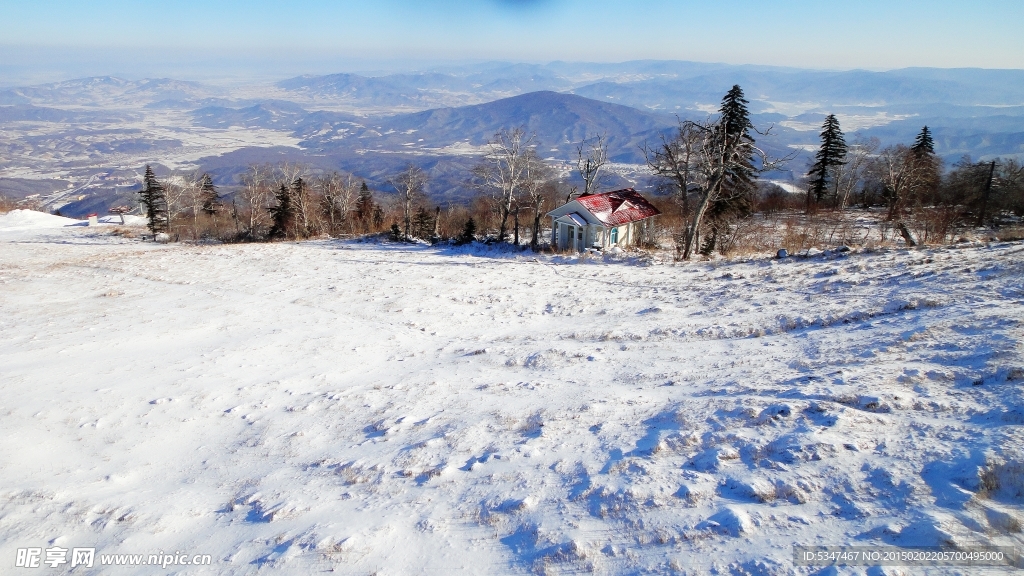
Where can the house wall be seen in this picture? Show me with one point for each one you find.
(594, 233)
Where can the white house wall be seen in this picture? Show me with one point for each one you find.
(575, 206)
(627, 232)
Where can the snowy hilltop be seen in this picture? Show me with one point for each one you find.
(388, 408)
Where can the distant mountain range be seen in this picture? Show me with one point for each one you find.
(107, 91)
(372, 124)
(971, 111)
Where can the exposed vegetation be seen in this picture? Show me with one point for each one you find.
(857, 193)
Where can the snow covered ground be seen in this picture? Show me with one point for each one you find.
(375, 408)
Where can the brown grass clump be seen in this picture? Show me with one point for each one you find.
(1002, 480)
(7, 204)
(1011, 234)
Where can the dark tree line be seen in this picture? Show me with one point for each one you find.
(921, 201)
(712, 167)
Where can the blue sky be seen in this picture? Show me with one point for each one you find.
(819, 34)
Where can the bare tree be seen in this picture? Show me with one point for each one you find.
(700, 160)
(847, 176)
(190, 197)
(904, 175)
(257, 189)
(537, 186)
(676, 160)
(304, 204)
(410, 184)
(337, 194)
(180, 190)
(592, 155)
(504, 172)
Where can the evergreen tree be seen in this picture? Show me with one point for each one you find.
(735, 116)
(154, 199)
(283, 214)
(422, 224)
(927, 167)
(738, 186)
(468, 232)
(210, 197)
(831, 154)
(923, 144)
(364, 204)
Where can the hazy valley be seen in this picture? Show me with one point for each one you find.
(81, 144)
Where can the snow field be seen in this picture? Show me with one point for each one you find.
(403, 409)
(23, 220)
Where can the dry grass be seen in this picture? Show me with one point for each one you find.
(797, 231)
(1010, 234)
(128, 231)
(7, 204)
(1002, 480)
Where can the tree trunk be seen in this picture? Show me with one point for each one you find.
(681, 183)
(535, 237)
(698, 215)
(408, 217)
(506, 211)
(985, 194)
(905, 232)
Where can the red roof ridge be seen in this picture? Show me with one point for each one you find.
(617, 207)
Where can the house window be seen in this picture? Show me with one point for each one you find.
(615, 235)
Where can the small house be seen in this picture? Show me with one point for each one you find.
(604, 220)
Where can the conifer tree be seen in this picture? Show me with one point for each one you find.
(927, 166)
(737, 188)
(738, 185)
(154, 199)
(422, 224)
(364, 204)
(831, 154)
(209, 196)
(923, 144)
(283, 214)
(735, 116)
(468, 232)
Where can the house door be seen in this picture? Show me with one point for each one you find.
(570, 237)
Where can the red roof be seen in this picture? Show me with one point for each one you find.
(618, 207)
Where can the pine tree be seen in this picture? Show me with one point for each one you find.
(831, 154)
(368, 213)
(210, 197)
(364, 204)
(283, 214)
(923, 144)
(468, 232)
(422, 224)
(735, 116)
(154, 199)
(927, 166)
(738, 186)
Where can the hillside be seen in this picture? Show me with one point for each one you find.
(95, 134)
(359, 408)
(559, 121)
